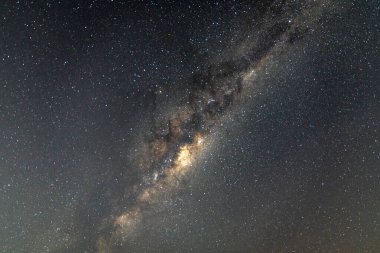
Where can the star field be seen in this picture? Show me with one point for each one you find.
(189, 126)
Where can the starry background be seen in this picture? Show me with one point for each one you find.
(82, 84)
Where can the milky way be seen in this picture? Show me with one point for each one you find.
(215, 88)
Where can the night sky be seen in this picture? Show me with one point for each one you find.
(189, 126)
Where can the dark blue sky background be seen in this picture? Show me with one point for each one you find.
(82, 85)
